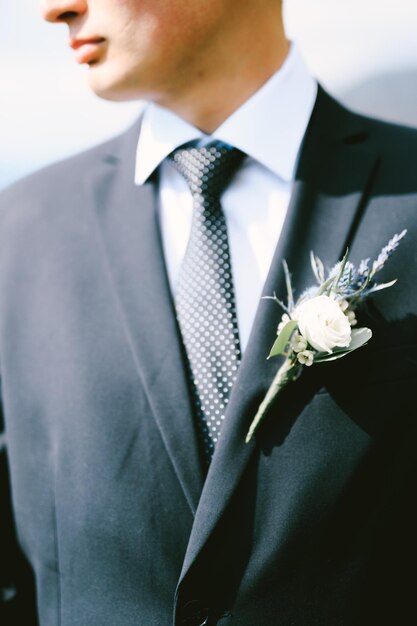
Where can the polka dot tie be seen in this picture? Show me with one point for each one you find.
(204, 297)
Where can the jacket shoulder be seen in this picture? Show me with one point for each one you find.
(392, 146)
(391, 138)
(383, 136)
(60, 180)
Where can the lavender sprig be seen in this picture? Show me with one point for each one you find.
(386, 252)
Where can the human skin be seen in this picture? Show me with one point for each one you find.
(201, 60)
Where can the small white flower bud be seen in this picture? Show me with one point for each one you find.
(298, 343)
(284, 320)
(343, 304)
(352, 318)
(306, 357)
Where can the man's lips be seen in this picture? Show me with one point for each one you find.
(86, 50)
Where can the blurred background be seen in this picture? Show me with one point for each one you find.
(362, 51)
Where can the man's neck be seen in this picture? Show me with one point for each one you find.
(214, 94)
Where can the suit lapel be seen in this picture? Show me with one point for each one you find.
(330, 190)
(129, 231)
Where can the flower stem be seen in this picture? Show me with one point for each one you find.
(285, 374)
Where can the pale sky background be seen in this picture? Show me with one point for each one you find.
(47, 111)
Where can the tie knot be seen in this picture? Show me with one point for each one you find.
(207, 170)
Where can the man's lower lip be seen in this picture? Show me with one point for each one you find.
(87, 52)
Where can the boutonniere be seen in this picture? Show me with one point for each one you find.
(320, 325)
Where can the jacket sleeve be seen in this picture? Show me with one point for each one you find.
(17, 589)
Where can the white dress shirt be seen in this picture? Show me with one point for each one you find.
(269, 128)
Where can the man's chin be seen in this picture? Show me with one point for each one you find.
(109, 87)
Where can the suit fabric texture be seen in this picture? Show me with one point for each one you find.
(110, 512)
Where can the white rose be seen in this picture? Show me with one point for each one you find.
(322, 322)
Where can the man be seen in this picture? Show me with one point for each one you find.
(133, 503)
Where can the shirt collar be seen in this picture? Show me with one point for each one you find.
(269, 126)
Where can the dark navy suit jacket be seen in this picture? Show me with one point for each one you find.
(313, 522)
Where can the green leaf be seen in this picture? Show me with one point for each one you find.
(327, 285)
(290, 293)
(318, 267)
(283, 338)
(381, 286)
(360, 337)
(342, 268)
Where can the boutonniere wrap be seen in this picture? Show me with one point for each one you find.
(321, 325)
